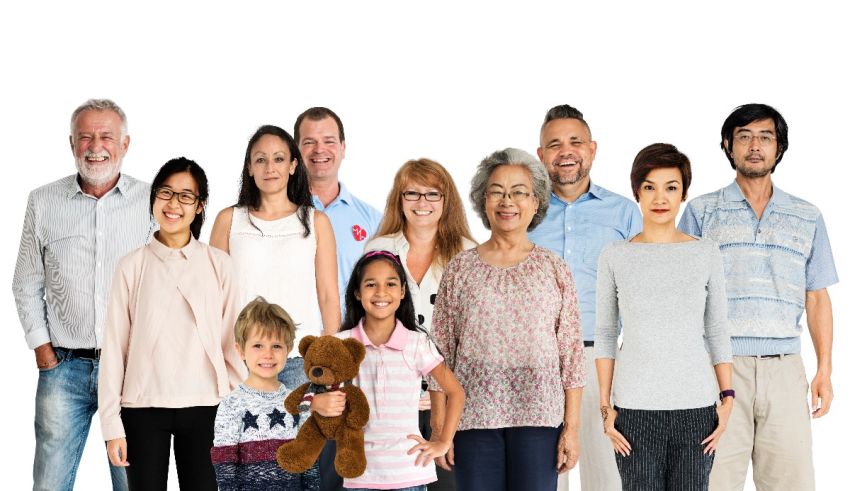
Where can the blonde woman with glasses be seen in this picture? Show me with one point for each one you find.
(425, 225)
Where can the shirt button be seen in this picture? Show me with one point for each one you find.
(569, 251)
(569, 229)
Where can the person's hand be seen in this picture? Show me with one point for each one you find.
(445, 461)
(428, 450)
(329, 404)
(568, 450)
(117, 451)
(821, 389)
(45, 357)
(723, 412)
(621, 445)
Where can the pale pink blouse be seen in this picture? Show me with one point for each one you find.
(168, 340)
(512, 336)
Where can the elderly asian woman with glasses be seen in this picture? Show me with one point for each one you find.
(507, 320)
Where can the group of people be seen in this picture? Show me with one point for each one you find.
(496, 361)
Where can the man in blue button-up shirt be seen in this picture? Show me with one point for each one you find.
(581, 219)
(778, 263)
(321, 140)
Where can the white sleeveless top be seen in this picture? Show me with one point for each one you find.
(274, 259)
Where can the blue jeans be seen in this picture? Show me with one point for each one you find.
(293, 373)
(507, 459)
(65, 401)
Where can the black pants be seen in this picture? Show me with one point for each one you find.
(667, 453)
(149, 432)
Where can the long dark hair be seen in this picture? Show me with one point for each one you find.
(354, 310)
(297, 188)
(176, 166)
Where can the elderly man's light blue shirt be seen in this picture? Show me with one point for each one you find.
(578, 231)
(770, 264)
(354, 223)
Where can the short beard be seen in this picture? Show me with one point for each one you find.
(751, 173)
(565, 180)
(98, 179)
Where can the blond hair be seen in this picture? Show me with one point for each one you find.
(270, 319)
(452, 227)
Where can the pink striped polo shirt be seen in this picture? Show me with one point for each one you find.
(391, 377)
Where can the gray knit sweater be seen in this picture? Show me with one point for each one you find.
(672, 303)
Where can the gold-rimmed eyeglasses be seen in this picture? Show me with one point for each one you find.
(516, 196)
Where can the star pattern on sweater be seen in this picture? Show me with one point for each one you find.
(276, 417)
(249, 420)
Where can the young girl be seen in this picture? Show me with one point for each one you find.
(379, 313)
(169, 354)
(282, 248)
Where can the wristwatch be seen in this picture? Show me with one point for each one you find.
(727, 393)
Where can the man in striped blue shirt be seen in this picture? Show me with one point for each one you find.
(75, 230)
(778, 263)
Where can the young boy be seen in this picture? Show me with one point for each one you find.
(251, 422)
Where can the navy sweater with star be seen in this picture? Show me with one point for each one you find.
(249, 427)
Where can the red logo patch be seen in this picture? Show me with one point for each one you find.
(358, 232)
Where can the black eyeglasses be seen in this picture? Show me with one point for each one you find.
(429, 196)
(184, 197)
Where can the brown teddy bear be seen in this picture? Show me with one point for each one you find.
(330, 364)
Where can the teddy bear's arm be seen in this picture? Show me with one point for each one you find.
(358, 407)
(294, 399)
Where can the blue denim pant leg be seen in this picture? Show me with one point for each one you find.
(293, 373)
(65, 402)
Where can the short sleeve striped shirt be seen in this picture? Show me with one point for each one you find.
(391, 377)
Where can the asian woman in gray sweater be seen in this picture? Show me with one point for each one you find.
(666, 289)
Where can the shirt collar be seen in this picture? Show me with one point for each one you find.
(397, 341)
(593, 192)
(344, 194)
(74, 187)
(163, 252)
(733, 192)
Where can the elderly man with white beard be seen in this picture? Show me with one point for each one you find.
(75, 229)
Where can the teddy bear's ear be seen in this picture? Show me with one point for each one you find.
(305, 343)
(356, 348)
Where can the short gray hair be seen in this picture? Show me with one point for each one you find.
(99, 105)
(541, 185)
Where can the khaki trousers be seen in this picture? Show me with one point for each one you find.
(770, 423)
(597, 466)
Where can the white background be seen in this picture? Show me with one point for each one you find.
(449, 81)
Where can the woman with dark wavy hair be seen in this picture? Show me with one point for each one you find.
(282, 248)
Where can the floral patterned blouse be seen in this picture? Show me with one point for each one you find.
(512, 336)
